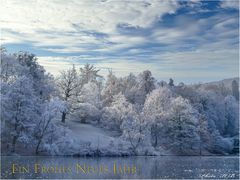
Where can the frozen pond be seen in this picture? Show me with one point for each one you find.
(217, 167)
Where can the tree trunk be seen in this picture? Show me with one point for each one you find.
(15, 137)
(64, 116)
(38, 145)
(14, 144)
(156, 141)
(83, 120)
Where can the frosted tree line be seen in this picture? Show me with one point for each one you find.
(149, 116)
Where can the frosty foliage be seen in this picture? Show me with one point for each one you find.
(112, 117)
(181, 126)
(28, 107)
(140, 115)
(19, 111)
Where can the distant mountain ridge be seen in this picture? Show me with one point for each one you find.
(225, 83)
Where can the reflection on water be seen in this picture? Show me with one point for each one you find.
(120, 167)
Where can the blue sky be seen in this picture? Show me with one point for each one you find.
(190, 41)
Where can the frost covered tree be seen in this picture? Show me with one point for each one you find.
(232, 115)
(85, 103)
(235, 89)
(204, 135)
(25, 90)
(112, 116)
(91, 94)
(25, 64)
(173, 121)
(69, 86)
(162, 84)
(129, 84)
(171, 82)
(146, 83)
(89, 73)
(156, 105)
(134, 88)
(131, 130)
(47, 123)
(224, 91)
(19, 112)
(181, 126)
(219, 144)
(9, 67)
(214, 110)
(135, 130)
(42, 82)
(89, 105)
(112, 87)
(208, 103)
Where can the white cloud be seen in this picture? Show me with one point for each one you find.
(44, 22)
(234, 4)
(205, 64)
(85, 27)
(68, 26)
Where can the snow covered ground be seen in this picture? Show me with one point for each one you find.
(91, 140)
(87, 139)
(98, 137)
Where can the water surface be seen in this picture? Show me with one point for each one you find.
(175, 167)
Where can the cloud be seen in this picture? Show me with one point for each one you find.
(73, 17)
(188, 65)
(166, 37)
(100, 26)
(231, 4)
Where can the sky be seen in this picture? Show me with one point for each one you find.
(189, 41)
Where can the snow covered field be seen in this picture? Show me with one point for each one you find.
(88, 133)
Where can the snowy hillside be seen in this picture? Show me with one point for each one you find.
(88, 133)
(94, 141)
